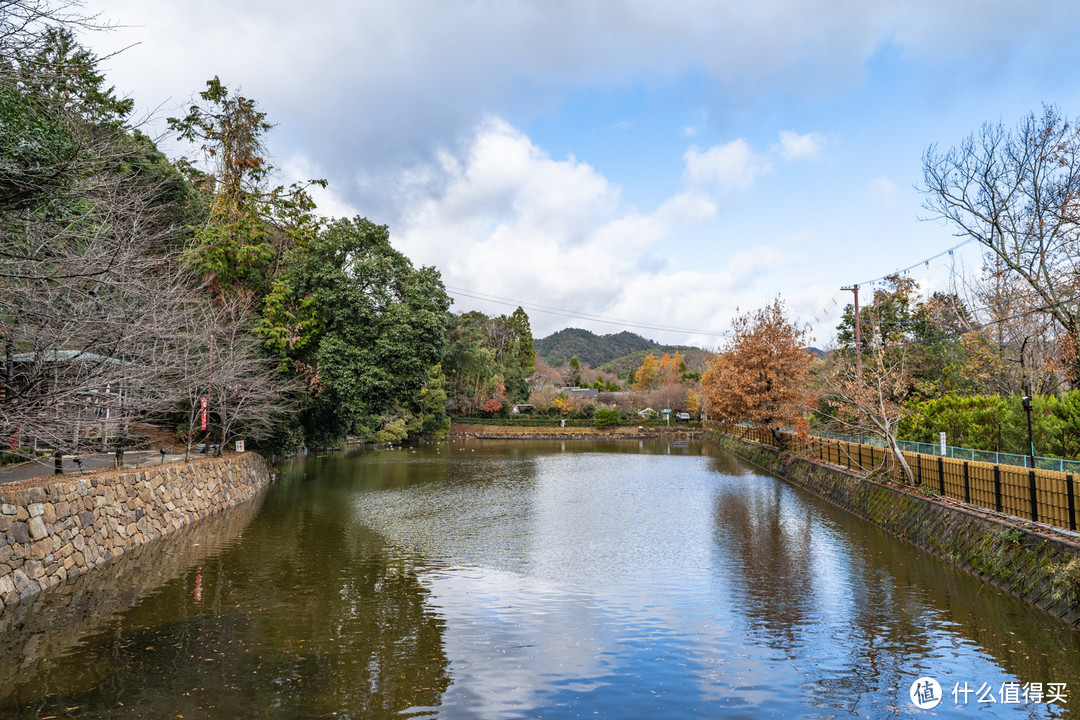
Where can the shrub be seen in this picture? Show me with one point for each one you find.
(606, 417)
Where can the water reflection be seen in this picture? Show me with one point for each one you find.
(494, 579)
(309, 615)
(858, 613)
(31, 634)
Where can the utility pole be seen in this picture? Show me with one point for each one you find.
(858, 347)
(1026, 400)
(858, 337)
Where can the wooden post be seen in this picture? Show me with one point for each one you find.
(1034, 499)
(1071, 497)
(941, 473)
(967, 484)
(997, 488)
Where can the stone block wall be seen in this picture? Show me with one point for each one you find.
(1036, 564)
(54, 529)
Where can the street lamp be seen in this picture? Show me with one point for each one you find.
(1031, 443)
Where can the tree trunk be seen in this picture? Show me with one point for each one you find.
(899, 455)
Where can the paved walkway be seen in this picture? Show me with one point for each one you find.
(90, 461)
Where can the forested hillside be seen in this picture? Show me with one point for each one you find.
(599, 350)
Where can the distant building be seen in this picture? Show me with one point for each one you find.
(70, 387)
(580, 392)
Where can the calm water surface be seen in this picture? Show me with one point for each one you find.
(528, 580)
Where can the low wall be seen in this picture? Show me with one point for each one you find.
(51, 531)
(1015, 557)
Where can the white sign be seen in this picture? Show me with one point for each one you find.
(943, 450)
(925, 693)
(239, 446)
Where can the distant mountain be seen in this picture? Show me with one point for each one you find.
(590, 348)
(615, 353)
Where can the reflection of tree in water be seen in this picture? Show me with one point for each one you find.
(767, 542)
(767, 551)
(866, 607)
(725, 463)
(900, 591)
(310, 614)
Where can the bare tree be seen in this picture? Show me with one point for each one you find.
(1016, 192)
(1022, 352)
(215, 357)
(870, 402)
(82, 296)
(89, 278)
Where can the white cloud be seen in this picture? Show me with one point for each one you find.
(369, 88)
(328, 200)
(509, 220)
(883, 190)
(731, 166)
(793, 146)
(374, 85)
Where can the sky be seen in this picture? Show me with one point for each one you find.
(620, 164)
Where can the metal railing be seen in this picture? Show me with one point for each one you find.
(1040, 494)
(987, 456)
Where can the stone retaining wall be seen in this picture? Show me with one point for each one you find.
(1031, 562)
(53, 530)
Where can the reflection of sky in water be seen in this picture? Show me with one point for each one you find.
(580, 584)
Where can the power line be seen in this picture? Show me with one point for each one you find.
(825, 312)
(983, 326)
(949, 251)
(564, 312)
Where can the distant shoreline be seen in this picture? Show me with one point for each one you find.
(499, 432)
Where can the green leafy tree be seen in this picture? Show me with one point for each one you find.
(483, 352)
(606, 417)
(370, 329)
(525, 352)
(431, 405)
(573, 374)
(930, 334)
(250, 224)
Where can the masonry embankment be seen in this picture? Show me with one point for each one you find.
(53, 530)
(1031, 562)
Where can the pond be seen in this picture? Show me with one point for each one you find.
(532, 579)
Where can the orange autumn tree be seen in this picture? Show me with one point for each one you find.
(671, 369)
(647, 376)
(761, 376)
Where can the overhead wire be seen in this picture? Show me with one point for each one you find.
(989, 323)
(821, 315)
(948, 251)
(565, 312)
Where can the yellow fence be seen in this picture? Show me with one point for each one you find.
(1044, 496)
